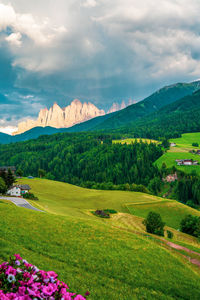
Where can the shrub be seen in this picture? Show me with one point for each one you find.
(3, 186)
(22, 280)
(154, 223)
(191, 204)
(101, 214)
(195, 144)
(139, 188)
(110, 211)
(29, 196)
(170, 234)
(191, 225)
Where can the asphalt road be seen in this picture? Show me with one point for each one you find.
(21, 202)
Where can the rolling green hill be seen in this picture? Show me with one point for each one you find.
(80, 200)
(107, 258)
(77, 201)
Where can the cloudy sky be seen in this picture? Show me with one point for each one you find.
(95, 50)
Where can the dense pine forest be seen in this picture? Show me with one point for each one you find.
(170, 121)
(91, 160)
(82, 158)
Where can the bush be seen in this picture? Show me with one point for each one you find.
(195, 144)
(3, 187)
(139, 188)
(154, 223)
(21, 280)
(170, 234)
(110, 211)
(29, 196)
(101, 214)
(191, 225)
(191, 204)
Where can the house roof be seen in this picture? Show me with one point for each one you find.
(21, 186)
(24, 186)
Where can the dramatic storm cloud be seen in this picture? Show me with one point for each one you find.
(97, 50)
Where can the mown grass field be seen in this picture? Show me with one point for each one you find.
(129, 141)
(106, 257)
(66, 199)
(172, 212)
(186, 140)
(181, 151)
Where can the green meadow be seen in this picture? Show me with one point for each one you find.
(181, 151)
(132, 140)
(66, 199)
(186, 140)
(110, 258)
(172, 212)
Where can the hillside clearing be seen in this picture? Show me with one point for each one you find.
(181, 151)
(133, 140)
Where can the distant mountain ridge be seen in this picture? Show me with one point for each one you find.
(65, 117)
(148, 113)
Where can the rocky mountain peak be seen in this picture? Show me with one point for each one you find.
(64, 117)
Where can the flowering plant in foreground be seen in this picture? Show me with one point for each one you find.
(20, 280)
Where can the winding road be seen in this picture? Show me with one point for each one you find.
(21, 202)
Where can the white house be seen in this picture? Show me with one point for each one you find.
(186, 162)
(18, 190)
(173, 144)
(14, 191)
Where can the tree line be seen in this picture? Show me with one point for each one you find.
(84, 158)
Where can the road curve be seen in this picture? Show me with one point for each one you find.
(21, 202)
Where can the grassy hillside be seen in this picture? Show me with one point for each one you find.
(181, 151)
(66, 199)
(172, 212)
(93, 255)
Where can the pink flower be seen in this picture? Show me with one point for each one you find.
(18, 257)
(4, 266)
(35, 283)
(10, 271)
(79, 297)
(52, 274)
(49, 289)
(21, 290)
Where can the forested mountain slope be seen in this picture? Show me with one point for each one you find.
(170, 121)
(153, 103)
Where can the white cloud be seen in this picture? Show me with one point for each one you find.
(14, 39)
(40, 31)
(90, 3)
(100, 48)
(8, 129)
